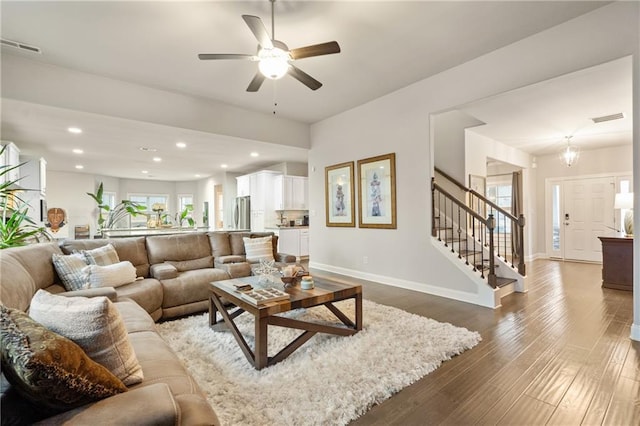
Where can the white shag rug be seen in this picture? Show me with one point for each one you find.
(330, 380)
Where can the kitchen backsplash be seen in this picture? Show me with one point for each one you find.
(288, 215)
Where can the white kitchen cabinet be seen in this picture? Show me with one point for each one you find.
(299, 193)
(10, 157)
(244, 185)
(304, 242)
(259, 186)
(34, 174)
(291, 193)
(294, 241)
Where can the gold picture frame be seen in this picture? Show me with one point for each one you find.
(340, 195)
(377, 192)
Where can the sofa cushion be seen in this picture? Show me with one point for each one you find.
(237, 242)
(177, 247)
(95, 325)
(132, 249)
(190, 286)
(147, 293)
(36, 260)
(48, 369)
(190, 265)
(160, 408)
(103, 256)
(114, 275)
(220, 245)
(134, 317)
(70, 269)
(16, 285)
(258, 249)
(163, 271)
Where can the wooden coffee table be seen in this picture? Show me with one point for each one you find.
(325, 293)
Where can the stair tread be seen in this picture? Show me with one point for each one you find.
(503, 281)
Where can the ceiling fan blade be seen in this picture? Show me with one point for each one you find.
(304, 78)
(315, 50)
(258, 29)
(205, 56)
(256, 82)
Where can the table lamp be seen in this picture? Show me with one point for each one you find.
(624, 200)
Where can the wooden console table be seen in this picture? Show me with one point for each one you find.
(617, 263)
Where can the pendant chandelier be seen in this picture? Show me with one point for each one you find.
(569, 155)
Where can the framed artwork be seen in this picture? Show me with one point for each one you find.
(377, 192)
(340, 196)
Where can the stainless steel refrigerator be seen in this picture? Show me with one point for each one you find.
(242, 213)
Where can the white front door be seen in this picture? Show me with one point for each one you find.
(587, 215)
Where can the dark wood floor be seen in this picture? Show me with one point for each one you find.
(558, 355)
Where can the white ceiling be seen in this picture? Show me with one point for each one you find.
(537, 118)
(385, 46)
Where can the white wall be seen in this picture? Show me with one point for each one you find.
(399, 122)
(449, 142)
(68, 191)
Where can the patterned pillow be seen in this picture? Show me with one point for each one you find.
(70, 270)
(115, 275)
(258, 249)
(50, 370)
(103, 256)
(95, 325)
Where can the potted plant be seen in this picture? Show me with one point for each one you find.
(16, 227)
(185, 215)
(119, 211)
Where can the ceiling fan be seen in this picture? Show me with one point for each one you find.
(274, 57)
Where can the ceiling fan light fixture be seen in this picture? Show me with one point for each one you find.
(274, 63)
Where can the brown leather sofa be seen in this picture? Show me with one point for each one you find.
(175, 271)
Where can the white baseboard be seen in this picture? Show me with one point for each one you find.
(406, 284)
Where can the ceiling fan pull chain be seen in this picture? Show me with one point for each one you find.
(275, 100)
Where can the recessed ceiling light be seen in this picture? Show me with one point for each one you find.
(144, 172)
(75, 130)
(77, 151)
(224, 166)
(79, 166)
(157, 159)
(254, 154)
(147, 149)
(181, 144)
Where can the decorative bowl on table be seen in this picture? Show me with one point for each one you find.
(289, 281)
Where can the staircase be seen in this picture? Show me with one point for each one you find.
(482, 235)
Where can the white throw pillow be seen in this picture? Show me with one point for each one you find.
(70, 269)
(258, 249)
(115, 275)
(95, 325)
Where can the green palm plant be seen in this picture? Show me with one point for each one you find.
(184, 215)
(113, 215)
(16, 227)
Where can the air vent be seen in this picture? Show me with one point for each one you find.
(617, 116)
(21, 46)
